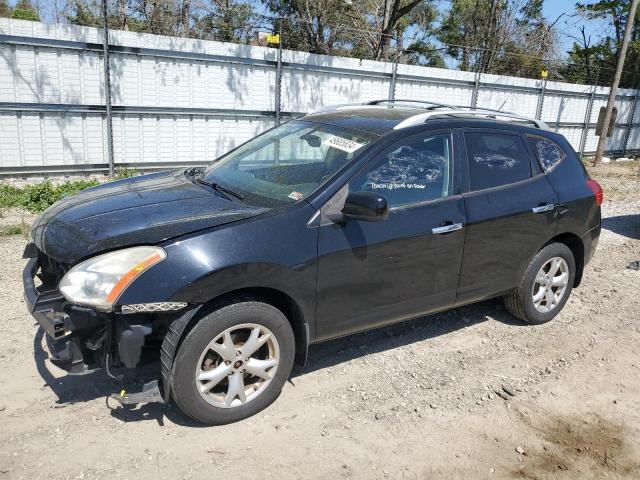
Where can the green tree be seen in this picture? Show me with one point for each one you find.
(499, 36)
(528, 47)
(222, 20)
(86, 14)
(314, 26)
(24, 10)
(360, 28)
(424, 53)
(595, 62)
(381, 24)
(474, 31)
(121, 14)
(161, 17)
(5, 10)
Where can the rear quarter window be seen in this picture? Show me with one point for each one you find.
(548, 153)
(496, 159)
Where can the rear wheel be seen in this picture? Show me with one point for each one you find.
(545, 287)
(233, 363)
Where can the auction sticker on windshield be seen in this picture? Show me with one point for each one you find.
(343, 144)
(296, 195)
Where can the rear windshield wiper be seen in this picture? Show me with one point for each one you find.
(219, 188)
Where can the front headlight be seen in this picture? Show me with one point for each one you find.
(99, 281)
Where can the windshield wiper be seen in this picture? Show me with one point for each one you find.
(219, 188)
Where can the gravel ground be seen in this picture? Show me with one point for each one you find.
(467, 393)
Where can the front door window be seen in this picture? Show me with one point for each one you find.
(413, 172)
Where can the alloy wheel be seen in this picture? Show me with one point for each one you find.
(550, 284)
(237, 365)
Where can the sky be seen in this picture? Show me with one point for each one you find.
(569, 23)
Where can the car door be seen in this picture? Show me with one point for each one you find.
(371, 273)
(510, 209)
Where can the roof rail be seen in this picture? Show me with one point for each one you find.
(372, 103)
(442, 109)
(421, 118)
(331, 108)
(406, 100)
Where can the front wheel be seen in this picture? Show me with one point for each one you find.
(545, 287)
(233, 363)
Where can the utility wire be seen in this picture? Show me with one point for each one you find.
(268, 22)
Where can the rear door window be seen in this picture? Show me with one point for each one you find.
(549, 153)
(496, 159)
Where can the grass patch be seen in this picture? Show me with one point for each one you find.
(618, 170)
(123, 172)
(9, 230)
(39, 196)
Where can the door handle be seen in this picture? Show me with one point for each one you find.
(446, 228)
(543, 208)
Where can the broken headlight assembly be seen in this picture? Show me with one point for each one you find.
(99, 281)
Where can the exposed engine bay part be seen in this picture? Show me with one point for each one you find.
(153, 391)
(67, 355)
(130, 344)
(150, 393)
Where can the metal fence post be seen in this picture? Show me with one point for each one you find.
(476, 89)
(587, 119)
(540, 105)
(394, 75)
(627, 133)
(107, 87)
(278, 102)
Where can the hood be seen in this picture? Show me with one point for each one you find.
(141, 210)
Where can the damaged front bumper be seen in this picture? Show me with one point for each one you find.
(60, 320)
(82, 339)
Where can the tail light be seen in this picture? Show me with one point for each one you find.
(597, 191)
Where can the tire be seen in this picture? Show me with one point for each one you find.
(520, 302)
(198, 357)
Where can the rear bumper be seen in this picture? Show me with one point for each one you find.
(590, 242)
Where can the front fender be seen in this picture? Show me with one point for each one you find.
(278, 252)
(298, 284)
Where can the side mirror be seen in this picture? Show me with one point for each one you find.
(365, 206)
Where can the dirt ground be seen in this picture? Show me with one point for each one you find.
(412, 401)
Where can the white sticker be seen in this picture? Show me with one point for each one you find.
(343, 144)
(296, 196)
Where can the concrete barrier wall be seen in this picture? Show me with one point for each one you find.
(185, 101)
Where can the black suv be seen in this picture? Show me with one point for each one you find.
(340, 221)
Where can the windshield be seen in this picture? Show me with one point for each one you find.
(286, 163)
